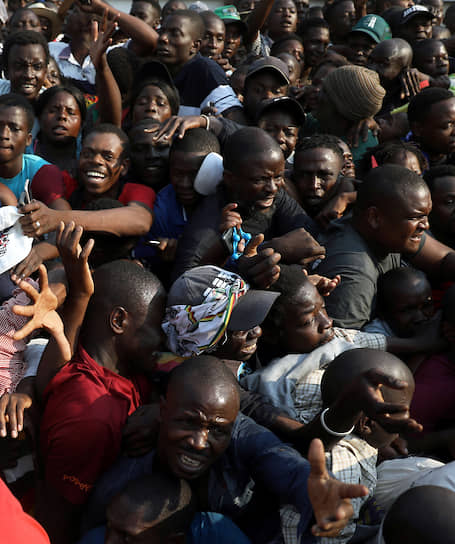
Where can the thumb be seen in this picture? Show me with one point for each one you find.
(251, 248)
(316, 457)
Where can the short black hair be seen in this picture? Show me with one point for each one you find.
(45, 97)
(278, 44)
(108, 128)
(436, 172)
(124, 65)
(420, 105)
(313, 22)
(421, 515)
(391, 281)
(196, 20)
(154, 3)
(388, 183)
(325, 141)
(329, 8)
(170, 91)
(196, 140)
(246, 143)
(384, 153)
(24, 37)
(14, 100)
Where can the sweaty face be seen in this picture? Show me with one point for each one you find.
(360, 48)
(232, 40)
(409, 307)
(283, 128)
(315, 174)
(442, 217)
(27, 69)
(213, 41)
(240, 345)
(282, 19)
(146, 12)
(196, 426)
(315, 43)
(256, 185)
(433, 60)
(151, 103)
(401, 227)
(60, 120)
(385, 62)
(14, 133)
(418, 28)
(150, 162)
(100, 163)
(176, 44)
(27, 20)
(306, 325)
(260, 86)
(437, 133)
(407, 160)
(184, 167)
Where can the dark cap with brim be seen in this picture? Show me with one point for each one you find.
(415, 11)
(154, 70)
(251, 309)
(269, 63)
(282, 103)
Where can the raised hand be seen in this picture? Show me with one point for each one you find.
(260, 268)
(101, 38)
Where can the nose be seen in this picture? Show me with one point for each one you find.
(280, 137)
(423, 223)
(255, 332)
(325, 322)
(199, 439)
(271, 186)
(4, 133)
(163, 38)
(28, 72)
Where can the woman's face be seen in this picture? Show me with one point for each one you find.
(151, 103)
(60, 120)
(53, 75)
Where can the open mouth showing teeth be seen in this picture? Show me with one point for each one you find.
(93, 174)
(190, 462)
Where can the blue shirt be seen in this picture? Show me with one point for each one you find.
(30, 166)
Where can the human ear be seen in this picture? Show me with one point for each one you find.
(28, 141)
(125, 166)
(374, 217)
(118, 320)
(195, 46)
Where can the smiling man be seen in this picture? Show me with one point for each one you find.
(375, 239)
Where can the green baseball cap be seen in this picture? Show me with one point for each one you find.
(374, 26)
(229, 14)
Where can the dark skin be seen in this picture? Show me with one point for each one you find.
(260, 86)
(360, 46)
(282, 19)
(146, 12)
(182, 172)
(433, 60)
(15, 135)
(27, 69)
(342, 19)
(418, 28)
(213, 41)
(315, 43)
(442, 217)
(282, 126)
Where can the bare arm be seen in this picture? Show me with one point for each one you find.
(257, 19)
(436, 260)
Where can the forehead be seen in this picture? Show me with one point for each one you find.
(418, 20)
(409, 202)
(180, 22)
(432, 49)
(213, 400)
(316, 32)
(151, 90)
(103, 140)
(360, 38)
(283, 4)
(414, 291)
(33, 51)
(13, 114)
(444, 184)
(347, 5)
(319, 155)
(306, 297)
(279, 116)
(385, 50)
(28, 14)
(144, 6)
(214, 24)
(62, 97)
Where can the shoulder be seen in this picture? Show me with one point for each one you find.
(34, 162)
(136, 192)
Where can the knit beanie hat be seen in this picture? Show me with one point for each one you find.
(355, 92)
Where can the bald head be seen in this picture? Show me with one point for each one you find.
(395, 48)
(350, 364)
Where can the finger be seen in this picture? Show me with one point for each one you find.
(12, 417)
(63, 344)
(32, 206)
(254, 243)
(43, 279)
(60, 229)
(27, 329)
(75, 239)
(316, 457)
(229, 207)
(28, 289)
(3, 405)
(104, 22)
(87, 249)
(94, 29)
(351, 491)
(24, 311)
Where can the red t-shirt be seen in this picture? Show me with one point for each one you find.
(81, 430)
(129, 192)
(17, 527)
(48, 184)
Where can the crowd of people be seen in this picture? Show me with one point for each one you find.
(227, 266)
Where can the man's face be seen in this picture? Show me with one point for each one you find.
(177, 43)
(257, 185)
(146, 12)
(342, 19)
(14, 133)
(60, 120)
(196, 427)
(418, 28)
(151, 103)
(386, 62)
(27, 69)
(232, 40)
(127, 525)
(213, 42)
(294, 48)
(437, 133)
(411, 307)
(434, 60)
(100, 163)
(306, 325)
(442, 218)
(400, 227)
(240, 345)
(283, 18)
(315, 43)
(360, 47)
(184, 167)
(314, 90)
(150, 162)
(27, 20)
(282, 127)
(315, 174)
(407, 160)
(260, 86)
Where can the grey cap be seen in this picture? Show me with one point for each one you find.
(269, 63)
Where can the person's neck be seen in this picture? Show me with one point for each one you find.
(79, 48)
(363, 229)
(104, 353)
(56, 153)
(111, 193)
(11, 168)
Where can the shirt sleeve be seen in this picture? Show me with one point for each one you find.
(48, 184)
(135, 192)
